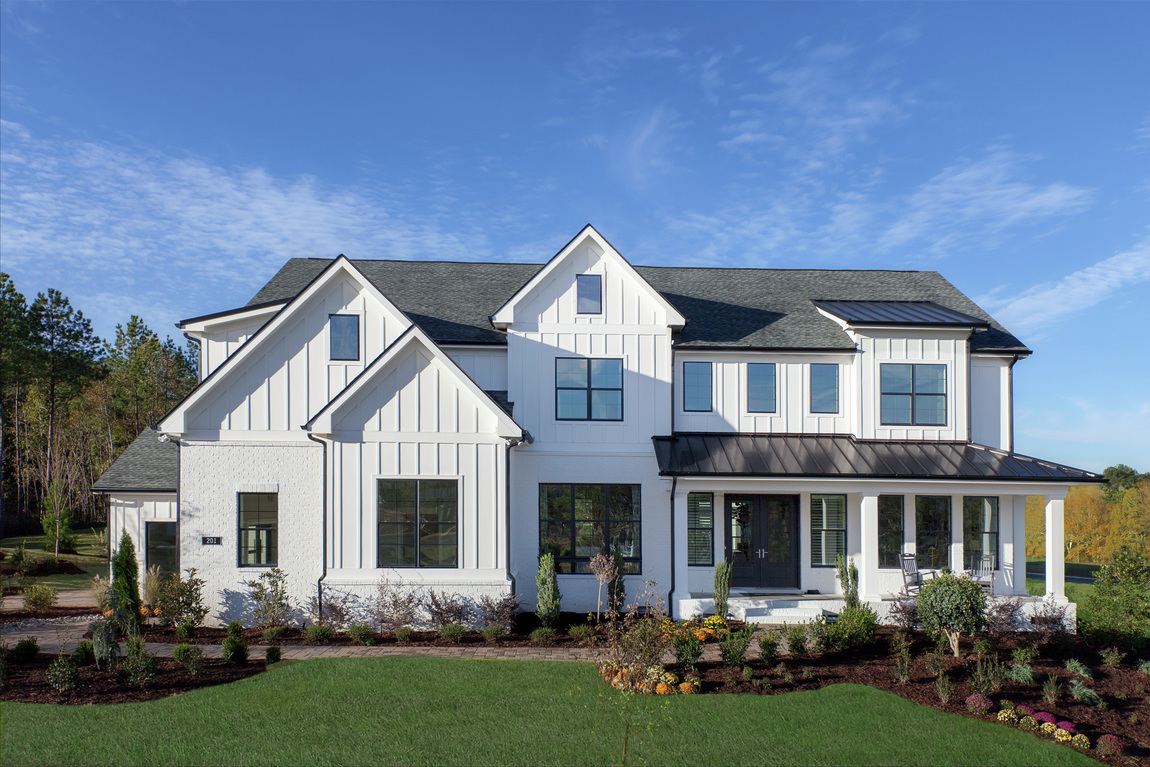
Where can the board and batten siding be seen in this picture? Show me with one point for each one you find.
(990, 403)
(487, 367)
(416, 420)
(132, 511)
(290, 377)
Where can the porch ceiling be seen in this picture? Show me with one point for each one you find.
(841, 455)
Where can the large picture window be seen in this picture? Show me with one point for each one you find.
(588, 390)
(828, 529)
(980, 530)
(418, 522)
(343, 335)
(697, 387)
(576, 522)
(932, 531)
(258, 535)
(701, 529)
(160, 547)
(761, 387)
(913, 395)
(824, 388)
(890, 531)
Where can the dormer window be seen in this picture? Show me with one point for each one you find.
(589, 292)
(343, 337)
(912, 395)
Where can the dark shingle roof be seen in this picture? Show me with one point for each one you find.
(840, 455)
(500, 397)
(725, 308)
(146, 465)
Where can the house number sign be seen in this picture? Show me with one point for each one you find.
(211, 540)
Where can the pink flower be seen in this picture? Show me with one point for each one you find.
(1025, 711)
(1068, 726)
(1042, 716)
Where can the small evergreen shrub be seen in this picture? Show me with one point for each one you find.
(404, 633)
(320, 633)
(185, 630)
(1025, 654)
(733, 647)
(104, 643)
(950, 605)
(25, 651)
(988, 675)
(236, 650)
(138, 662)
(188, 656)
(39, 598)
(1021, 673)
(796, 640)
(1144, 667)
(688, 649)
(272, 633)
(235, 630)
(272, 655)
(935, 663)
(493, 633)
(943, 688)
(125, 586)
(769, 646)
(269, 593)
(85, 654)
(548, 599)
(902, 666)
(453, 633)
(543, 634)
(855, 628)
(1083, 693)
(62, 674)
(722, 587)
(581, 632)
(361, 633)
(1112, 657)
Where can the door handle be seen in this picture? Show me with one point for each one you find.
(762, 553)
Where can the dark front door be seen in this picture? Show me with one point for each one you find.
(763, 540)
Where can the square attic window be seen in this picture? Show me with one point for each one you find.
(589, 289)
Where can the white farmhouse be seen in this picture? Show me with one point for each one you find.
(439, 424)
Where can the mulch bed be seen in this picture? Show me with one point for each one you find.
(295, 637)
(42, 567)
(29, 683)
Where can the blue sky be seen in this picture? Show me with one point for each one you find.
(165, 159)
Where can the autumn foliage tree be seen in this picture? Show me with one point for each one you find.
(1098, 521)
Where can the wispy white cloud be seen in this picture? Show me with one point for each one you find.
(1043, 305)
(1088, 434)
(607, 49)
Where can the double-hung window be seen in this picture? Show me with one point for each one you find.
(912, 395)
(701, 529)
(418, 522)
(588, 390)
(890, 531)
(980, 530)
(697, 387)
(160, 549)
(589, 294)
(828, 529)
(259, 526)
(343, 337)
(577, 522)
(761, 387)
(824, 388)
(932, 531)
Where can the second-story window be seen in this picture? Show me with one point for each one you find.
(824, 388)
(912, 395)
(697, 387)
(761, 387)
(343, 337)
(589, 294)
(588, 390)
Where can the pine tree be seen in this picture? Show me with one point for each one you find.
(126, 586)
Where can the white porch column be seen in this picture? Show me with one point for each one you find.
(957, 555)
(1055, 552)
(679, 533)
(1015, 570)
(868, 548)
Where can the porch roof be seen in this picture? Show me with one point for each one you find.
(842, 455)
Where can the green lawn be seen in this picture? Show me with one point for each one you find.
(90, 555)
(419, 710)
(1075, 592)
(1078, 569)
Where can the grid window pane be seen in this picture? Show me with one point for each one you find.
(571, 373)
(912, 395)
(160, 547)
(590, 294)
(343, 330)
(701, 529)
(896, 379)
(606, 374)
(897, 409)
(890, 530)
(824, 388)
(932, 531)
(577, 522)
(930, 379)
(980, 530)
(697, 386)
(588, 389)
(828, 529)
(606, 405)
(761, 387)
(258, 523)
(571, 404)
(418, 523)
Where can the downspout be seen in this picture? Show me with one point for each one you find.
(323, 528)
(674, 564)
(513, 442)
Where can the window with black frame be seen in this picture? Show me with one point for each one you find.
(418, 523)
(588, 294)
(577, 522)
(760, 387)
(890, 531)
(588, 389)
(912, 395)
(161, 547)
(980, 530)
(824, 388)
(932, 531)
(258, 529)
(701, 529)
(343, 337)
(697, 387)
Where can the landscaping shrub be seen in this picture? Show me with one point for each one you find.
(822, 637)
(152, 587)
(188, 656)
(1025, 654)
(445, 609)
(1050, 624)
(543, 634)
(395, 606)
(722, 587)
(1112, 657)
(138, 662)
(85, 654)
(943, 688)
(25, 651)
(582, 633)
(498, 612)
(272, 655)
(548, 599)
(733, 647)
(182, 600)
(688, 649)
(934, 663)
(796, 637)
(616, 589)
(848, 577)
(902, 666)
(361, 633)
(236, 630)
(855, 628)
(1004, 616)
(272, 633)
(1021, 673)
(62, 674)
(1144, 667)
(39, 598)
(1119, 603)
(979, 704)
(331, 607)
(492, 634)
(320, 632)
(1051, 689)
(236, 650)
(1110, 745)
(1075, 666)
(101, 589)
(1081, 692)
(904, 612)
(125, 586)
(769, 646)
(950, 605)
(1080, 741)
(452, 632)
(988, 675)
(403, 633)
(269, 593)
(104, 643)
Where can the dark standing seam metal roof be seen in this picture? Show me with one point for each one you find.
(725, 308)
(841, 455)
(898, 313)
(147, 465)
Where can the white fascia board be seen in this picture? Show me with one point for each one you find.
(908, 330)
(505, 316)
(321, 423)
(174, 422)
(200, 326)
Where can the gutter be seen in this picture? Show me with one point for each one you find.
(323, 528)
(513, 442)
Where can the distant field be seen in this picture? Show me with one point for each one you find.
(1077, 569)
(91, 556)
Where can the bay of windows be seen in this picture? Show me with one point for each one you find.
(577, 522)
